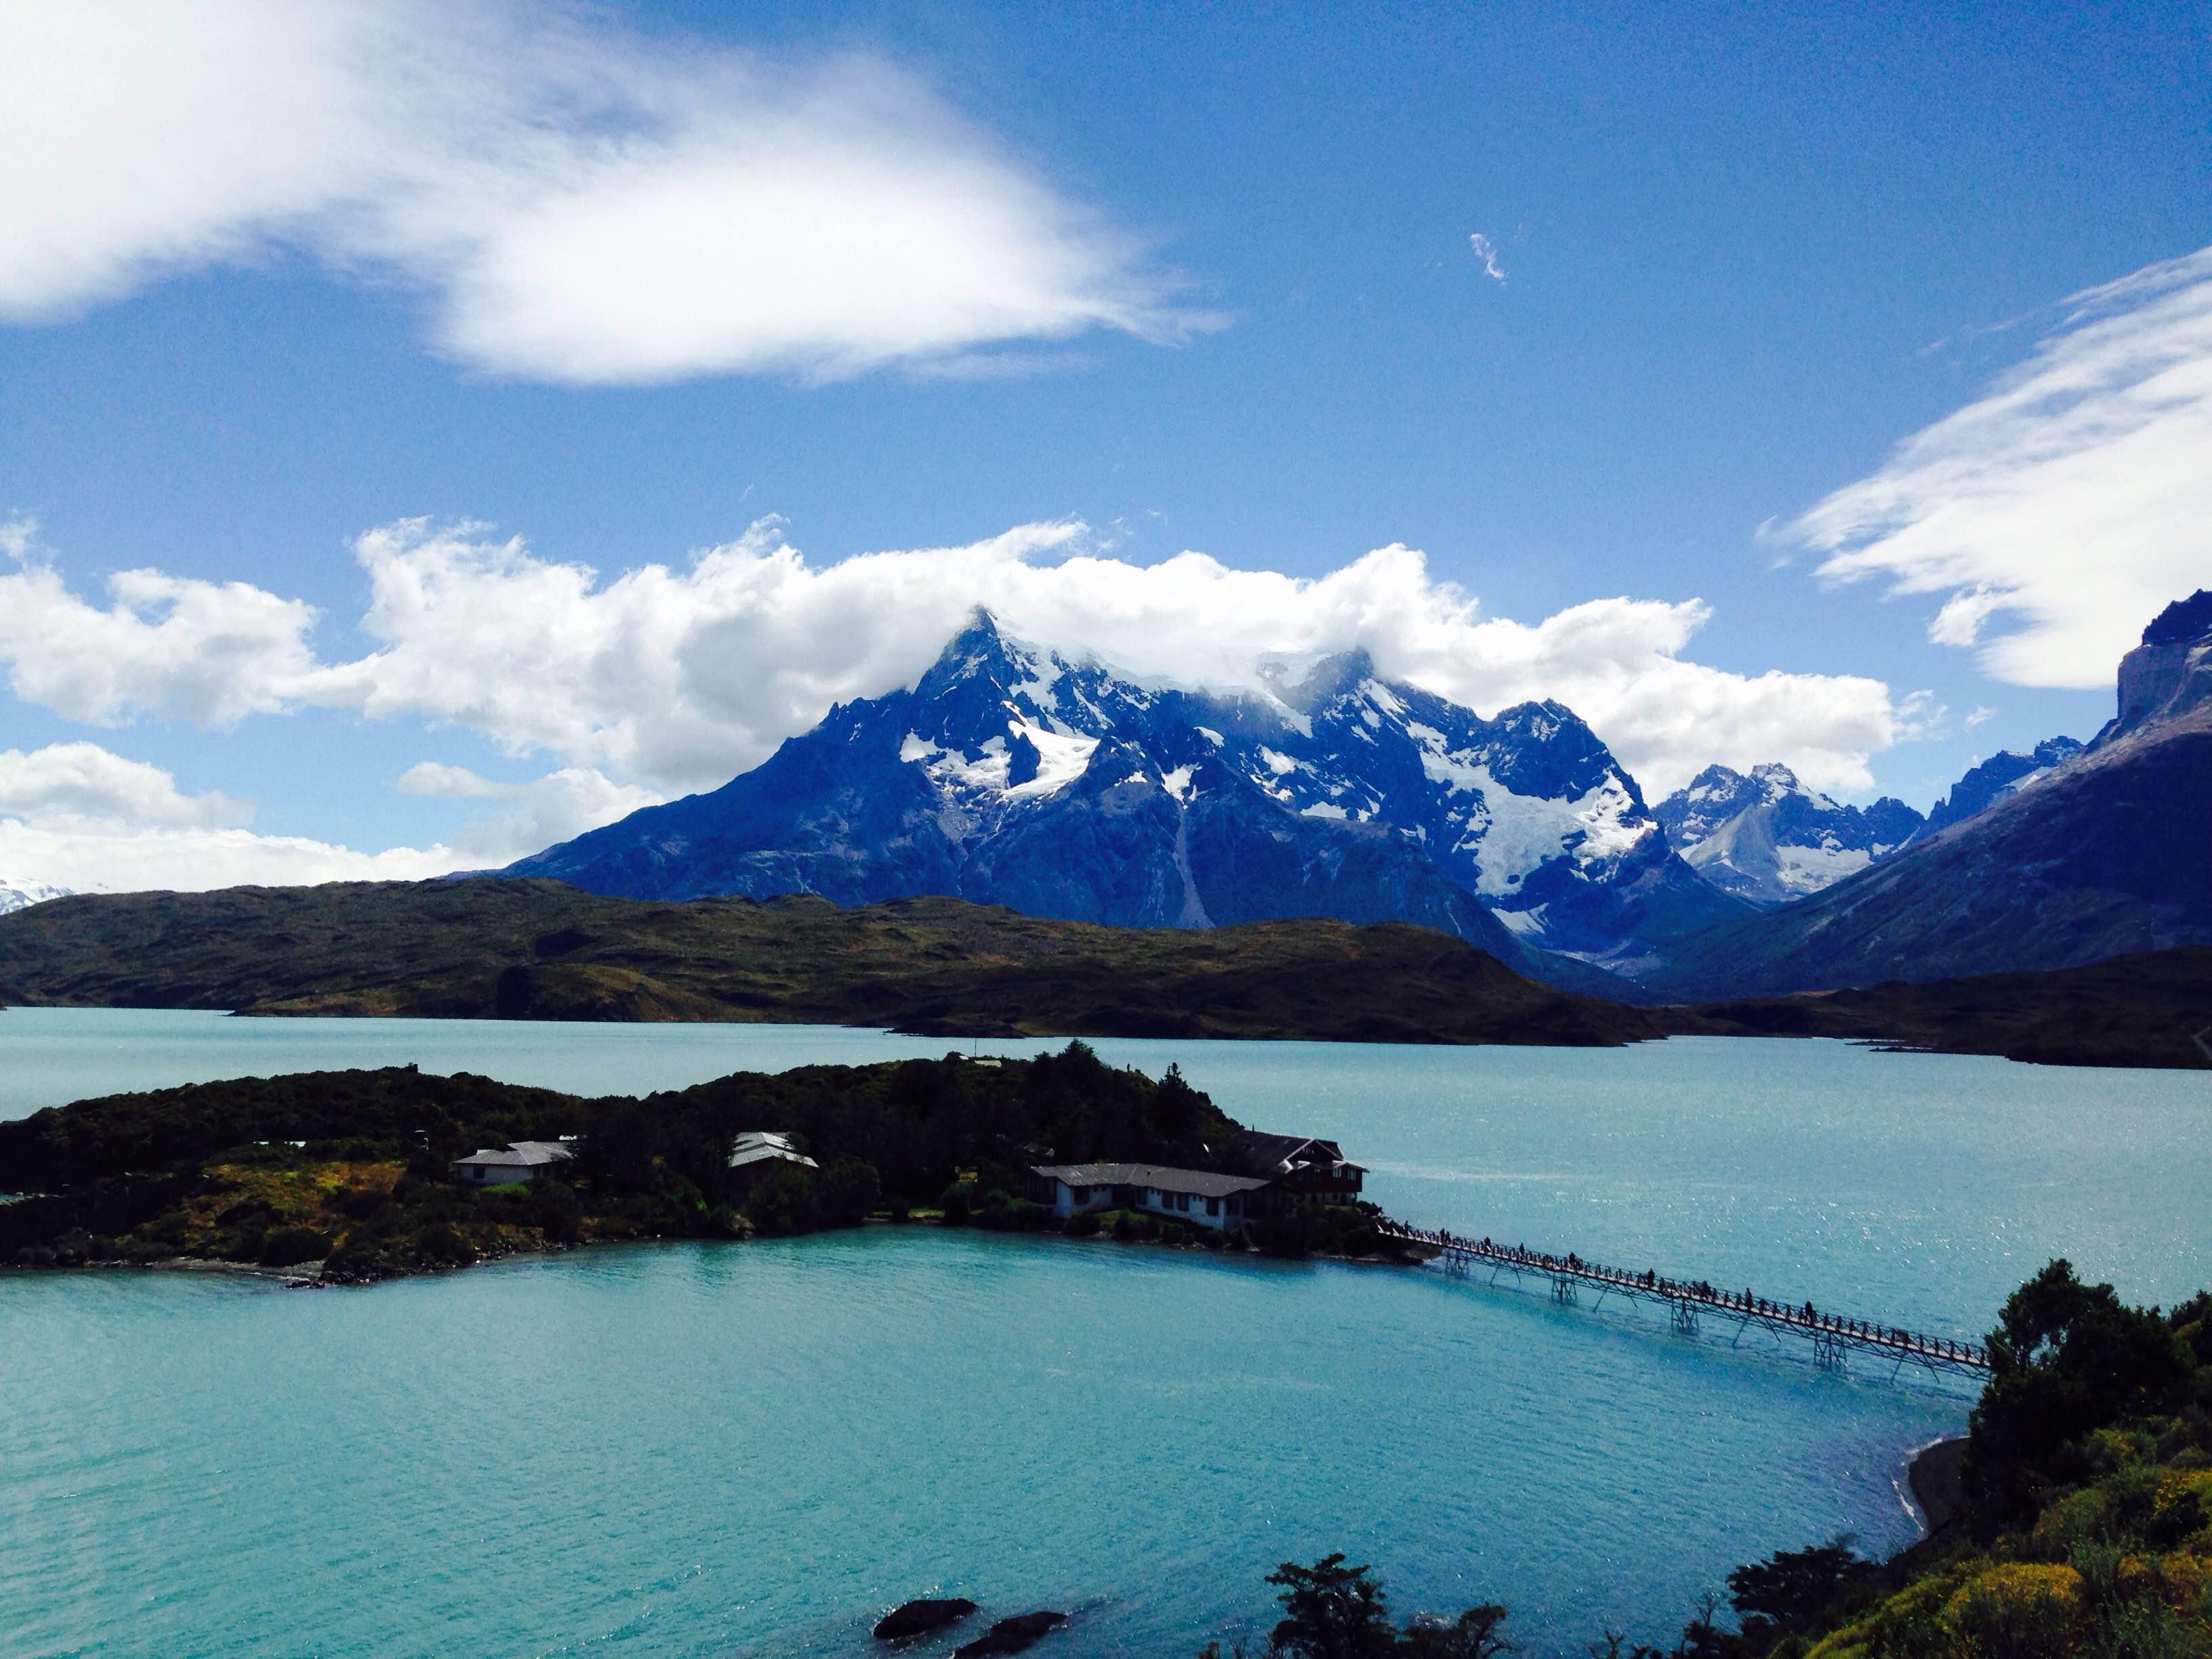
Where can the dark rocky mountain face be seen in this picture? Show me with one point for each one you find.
(2000, 776)
(1769, 839)
(2170, 672)
(1009, 774)
(2101, 855)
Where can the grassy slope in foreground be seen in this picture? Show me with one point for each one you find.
(496, 948)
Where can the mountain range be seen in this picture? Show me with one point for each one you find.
(1016, 775)
(2098, 855)
(1012, 774)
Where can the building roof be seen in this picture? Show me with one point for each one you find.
(518, 1155)
(1199, 1183)
(766, 1146)
(1277, 1156)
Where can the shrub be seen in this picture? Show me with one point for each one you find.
(846, 1192)
(555, 1212)
(1125, 1227)
(439, 1246)
(957, 1201)
(288, 1245)
(1083, 1223)
(356, 1203)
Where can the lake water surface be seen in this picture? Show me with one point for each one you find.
(751, 1450)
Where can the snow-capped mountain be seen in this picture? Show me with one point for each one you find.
(2082, 854)
(1011, 774)
(21, 896)
(1769, 839)
(2002, 774)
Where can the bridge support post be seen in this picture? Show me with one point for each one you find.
(1563, 1289)
(1685, 1319)
(1830, 1350)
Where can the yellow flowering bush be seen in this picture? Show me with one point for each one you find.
(2021, 1610)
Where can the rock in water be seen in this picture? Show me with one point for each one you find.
(1011, 1635)
(912, 1619)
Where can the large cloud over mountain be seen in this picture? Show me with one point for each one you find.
(578, 202)
(676, 677)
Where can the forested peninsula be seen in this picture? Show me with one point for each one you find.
(350, 1177)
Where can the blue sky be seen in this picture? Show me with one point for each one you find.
(1222, 294)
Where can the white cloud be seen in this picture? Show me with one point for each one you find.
(557, 807)
(580, 202)
(1487, 251)
(81, 816)
(669, 678)
(83, 780)
(97, 855)
(2072, 503)
(448, 782)
(208, 652)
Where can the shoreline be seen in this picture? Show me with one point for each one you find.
(1933, 1479)
(308, 1276)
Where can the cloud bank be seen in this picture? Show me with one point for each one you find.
(90, 820)
(2061, 512)
(666, 679)
(578, 202)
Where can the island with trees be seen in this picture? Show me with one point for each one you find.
(356, 1177)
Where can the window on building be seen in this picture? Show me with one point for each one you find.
(1183, 1201)
(1214, 1207)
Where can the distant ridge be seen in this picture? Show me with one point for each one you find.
(508, 949)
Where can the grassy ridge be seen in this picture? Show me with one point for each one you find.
(2147, 1010)
(510, 949)
(538, 950)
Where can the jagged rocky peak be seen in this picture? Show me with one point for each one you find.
(2002, 774)
(1307, 684)
(2170, 671)
(1547, 748)
(1770, 838)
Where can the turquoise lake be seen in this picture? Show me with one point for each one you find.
(752, 1450)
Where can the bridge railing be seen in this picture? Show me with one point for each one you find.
(1833, 1333)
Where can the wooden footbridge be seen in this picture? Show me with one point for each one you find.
(1834, 1337)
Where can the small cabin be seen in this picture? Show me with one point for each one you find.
(519, 1163)
(1199, 1197)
